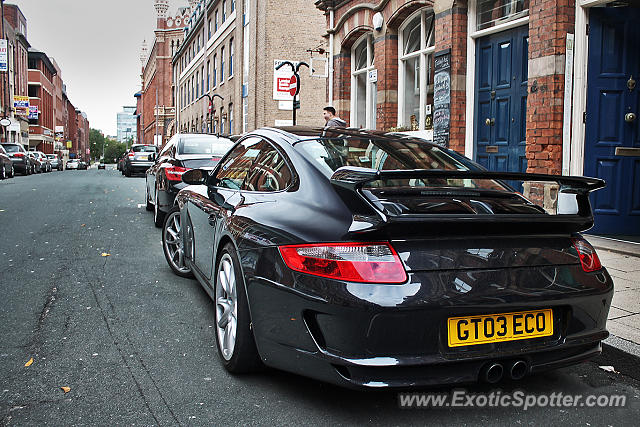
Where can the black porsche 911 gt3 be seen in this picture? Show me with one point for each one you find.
(368, 260)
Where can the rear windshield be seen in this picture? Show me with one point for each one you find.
(329, 154)
(11, 148)
(144, 149)
(52, 156)
(205, 144)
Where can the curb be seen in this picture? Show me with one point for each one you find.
(623, 355)
(613, 245)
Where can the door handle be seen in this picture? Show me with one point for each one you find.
(490, 122)
(630, 117)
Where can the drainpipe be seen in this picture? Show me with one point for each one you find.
(331, 16)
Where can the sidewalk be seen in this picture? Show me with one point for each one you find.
(622, 260)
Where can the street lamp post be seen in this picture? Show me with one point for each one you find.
(210, 97)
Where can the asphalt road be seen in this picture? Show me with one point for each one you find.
(135, 343)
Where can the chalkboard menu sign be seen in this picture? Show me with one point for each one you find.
(442, 98)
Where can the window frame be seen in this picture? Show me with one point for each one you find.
(424, 54)
(287, 161)
(370, 88)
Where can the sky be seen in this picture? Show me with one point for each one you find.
(97, 45)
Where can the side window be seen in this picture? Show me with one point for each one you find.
(236, 166)
(167, 148)
(270, 171)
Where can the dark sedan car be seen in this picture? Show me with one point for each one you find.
(182, 152)
(20, 158)
(372, 261)
(139, 158)
(6, 165)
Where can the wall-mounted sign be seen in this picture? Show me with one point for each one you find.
(373, 76)
(4, 57)
(21, 105)
(33, 112)
(442, 98)
(69, 144)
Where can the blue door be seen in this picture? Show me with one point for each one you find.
(612, 140)
(501, 100)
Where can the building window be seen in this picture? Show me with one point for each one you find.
(197, 84)
(222, 119)
(222, 65)
(490, 13)
(233, 6)
(230, 58)
(202, 81)
(363, 93)
(230, 119)
(216, 21)
(199, 43)
(215, 70)
(209, 29)
(415, 83)
(224, 10)
(208, 76)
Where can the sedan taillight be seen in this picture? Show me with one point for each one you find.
(351, 262)
(174, 173)
(587, 254)
(131, 155)
(17, 155)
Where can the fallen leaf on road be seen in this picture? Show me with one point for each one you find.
(609, 369)
(105, 254)
(29, 363)
(82, 225)
(66, 389)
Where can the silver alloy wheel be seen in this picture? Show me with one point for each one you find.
(226, 306)
(173, 242)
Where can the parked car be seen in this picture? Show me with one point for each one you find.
(120, 163)
(140, 157)
(36, 165)
(19, 156)
(373, 261)
(56, 162)
(182, 152)
(101, 165)
(6, 165)
(82, 165)
(45, 163)
(73, 164)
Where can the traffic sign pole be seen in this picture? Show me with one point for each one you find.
(295, 80)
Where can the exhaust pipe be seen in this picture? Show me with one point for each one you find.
(492, 373)
(518, 370)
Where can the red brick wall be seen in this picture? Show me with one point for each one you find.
(549, 23)
(386, 62)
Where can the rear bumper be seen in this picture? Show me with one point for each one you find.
(368, 335)
(140, 166)
(167, 195)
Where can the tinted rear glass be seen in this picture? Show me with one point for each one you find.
(205, 144)
(329, 154)
(11, 148)
(144, 148)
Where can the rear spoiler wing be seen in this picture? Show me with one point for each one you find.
(349, 180)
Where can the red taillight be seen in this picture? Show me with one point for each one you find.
(588, 257)
(351, 262)
(131, 154)
(174, 173)
(216, 159)
(18, 154)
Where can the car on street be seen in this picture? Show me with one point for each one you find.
(184, 151)
(56, 162)
(36, 165)
(120, 163)
(139, 158)
(375, 261)
(101, 165)
(73, 164)
(45, 163)
(19, 156)
(6, 165)
(83, 165)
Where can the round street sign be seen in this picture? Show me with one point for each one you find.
(293, 86)
(5, 122)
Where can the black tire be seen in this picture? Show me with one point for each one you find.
(3, 172)
(186, 271)
(13, 172)
(158, 215)
(245, 357)
(149, 206)
(127, 172)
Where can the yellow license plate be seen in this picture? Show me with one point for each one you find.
(143, 158)
(488, 328)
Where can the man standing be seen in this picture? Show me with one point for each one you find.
(329, 114)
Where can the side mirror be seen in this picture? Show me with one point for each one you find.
(154, 156)
(194, 177)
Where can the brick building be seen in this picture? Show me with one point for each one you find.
(230, 50)
(157, 94)
(41, 100)
(542, 86)
(15, 29)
